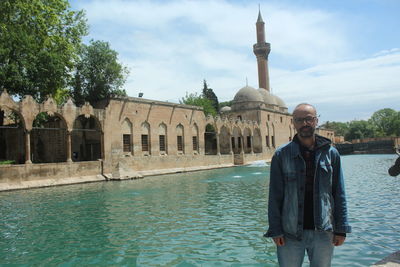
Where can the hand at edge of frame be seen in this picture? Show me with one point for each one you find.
(279, 241)
(338, 240)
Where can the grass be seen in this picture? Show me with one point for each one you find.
(4, 162)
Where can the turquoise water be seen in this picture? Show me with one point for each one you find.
(209, 218)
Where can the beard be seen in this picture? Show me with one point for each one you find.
(306, 132)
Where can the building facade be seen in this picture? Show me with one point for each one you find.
(121, 138)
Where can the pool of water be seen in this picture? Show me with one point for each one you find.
(208, 218)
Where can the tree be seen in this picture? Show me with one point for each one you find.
(39, 40)
(340, 128)
(395, 125)
(98, 74)
(200, 101)
(360, 129)
(225, 104)
(61, 96)
(209, 94)
(385, 121)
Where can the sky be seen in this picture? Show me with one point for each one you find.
(342, 56)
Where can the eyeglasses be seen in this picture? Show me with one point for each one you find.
(308, 119)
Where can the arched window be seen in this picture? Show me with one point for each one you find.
(127, 137)
(48, 139)
(225, 140)
(12, 138)
(86, 139)
(145, 138)
(273, 136)
(257, 145)
(247, 140)
(180, 143)
(195, 138)
(162, 138)
(236, 140)
(210, 140)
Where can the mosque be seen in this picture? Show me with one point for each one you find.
(123, 138)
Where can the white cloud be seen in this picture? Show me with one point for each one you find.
(172, 46)
(307, 36)
(362, 85)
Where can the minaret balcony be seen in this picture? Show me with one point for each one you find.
(262, 48)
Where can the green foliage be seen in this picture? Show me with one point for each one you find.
(210, 128)
(207, 100)
(386, 121)
(225, 104)
(98, 74)
(360, 129)
(61, 96)
(340, 128)
(209, 94)
(39, 40)
(40, 120)
(200, 101)
(11, 118)
(4, 162)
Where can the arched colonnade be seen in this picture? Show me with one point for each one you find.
(229, 136)
(32, 132)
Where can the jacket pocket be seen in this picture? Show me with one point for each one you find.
(326, 166)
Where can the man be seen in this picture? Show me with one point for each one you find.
(395, 169)
(307, 204)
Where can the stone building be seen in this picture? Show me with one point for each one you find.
(129, 137)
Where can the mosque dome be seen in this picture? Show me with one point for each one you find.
(280, 102)
(225, 109)
(248, 94)
(267, 97)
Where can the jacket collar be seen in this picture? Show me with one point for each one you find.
(320, 144)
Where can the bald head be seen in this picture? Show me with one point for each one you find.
(304, 107)
(305, 120)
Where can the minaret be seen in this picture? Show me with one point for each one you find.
(261, 50)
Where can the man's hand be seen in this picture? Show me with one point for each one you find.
(338, 240)
(279, 241)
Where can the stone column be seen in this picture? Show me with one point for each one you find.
(69, 146)
(28, 147)
(252, 144)
(230, 145)
(218, 148)
(241, 145)
(102, 145)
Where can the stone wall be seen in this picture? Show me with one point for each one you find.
(47, 174)
(144, 163)
(114, 133)
(383, 146)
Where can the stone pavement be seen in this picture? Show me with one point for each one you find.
(393, 260)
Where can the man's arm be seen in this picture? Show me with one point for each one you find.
(338, 191)
(275, 199)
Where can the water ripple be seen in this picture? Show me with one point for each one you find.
(210, 218)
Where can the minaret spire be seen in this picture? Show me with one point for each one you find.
(259, 19)
(262, 49)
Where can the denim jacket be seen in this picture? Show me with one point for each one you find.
(286, 192)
